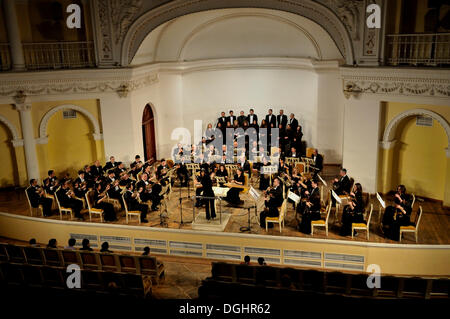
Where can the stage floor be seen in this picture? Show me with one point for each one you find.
(434, 228)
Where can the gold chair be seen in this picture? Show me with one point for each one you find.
(132, 212)
(38, 209)
(309, 151)
(322, 222)
(92, 210)
(280, 218)
(412, 228)
(63, 209)
(362, 226)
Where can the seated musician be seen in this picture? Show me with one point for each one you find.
(222, 172)
(137, 160)
(318, 161)
(155, 193)
(162, 169)
(145, 184)
(353, 212)
(398, 214)
(125, 179)
(233, 194)
(293, 153)
(310, 208)
(114, 191)
(273, 200)
(182, 172)
(341, 185)
(283, 167)
(134, 203)
(119, 170)
(89, 177)
(112, 164)
(51, 183)
(97, 169)
(244, 164)
(37, 197)
(264, 179)
(177, 153)
(79, 188)
(99, 198)
(67, 199)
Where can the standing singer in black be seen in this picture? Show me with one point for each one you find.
(206, 182)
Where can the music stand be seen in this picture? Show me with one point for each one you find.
(255, 195)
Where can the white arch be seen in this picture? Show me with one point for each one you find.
(390, 131)
(44, 122)
(16, 141)
(209, 23)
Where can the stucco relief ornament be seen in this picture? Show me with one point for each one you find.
(20, 97)
(123, 90)
(348, 12)
(124, 12)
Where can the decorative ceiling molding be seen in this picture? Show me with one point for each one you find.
(390, 81)
(317, 12)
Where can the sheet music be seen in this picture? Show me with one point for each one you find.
(336, 197)
(294, 197)
(269, 169)
(254, 193)
(321, 179)
(220, 191)
(383, 204)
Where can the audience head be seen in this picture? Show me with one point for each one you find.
(85, 243)
(146, 251)
(247, 259)
(52, 243)
(286, 281)
(32, 241)
(72, 242)
(261, 261)
(105, 246)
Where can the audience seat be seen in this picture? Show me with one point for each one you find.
(89, 260)
(52, 257)
(245, 274)
(150, 266)
(70, 257)
(108, 262)
(34, 255)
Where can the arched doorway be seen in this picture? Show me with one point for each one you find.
(148, 133)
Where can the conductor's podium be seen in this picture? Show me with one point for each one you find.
(222, 217)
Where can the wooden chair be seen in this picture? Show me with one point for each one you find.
(309, 151)
(38, 209)
(139, 286)
(412, 228)
(108, 262)
(127, 264)
(363, 226)
(52, 257)
(53, 277)
(322, 222)
(89, 260)
(63, 209)
(149, 265)
(3, 253)
(222, 271)
(70, 257)
(34, 255)
(131, 212)
(15, 253)
(280, 218)
(92, 210)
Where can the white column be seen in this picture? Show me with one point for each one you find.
(28, 140)
(12, 27)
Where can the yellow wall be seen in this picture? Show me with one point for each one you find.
(71, 144)
(418, 159)
(8, 171)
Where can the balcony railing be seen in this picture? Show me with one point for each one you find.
(431, 49)
(59, 55)
(5, 57)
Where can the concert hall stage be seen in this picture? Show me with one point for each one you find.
(292, 248)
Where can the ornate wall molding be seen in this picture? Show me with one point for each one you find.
(43, 138)
(391, 129)
(397, 81)
(312, 10)
(92, 81)
(12, 128)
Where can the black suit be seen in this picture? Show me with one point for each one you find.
(133, 204)
(241, 119)
(231, 119)
(96, 170)
(342, 186)
(222, 121)
(318, 162)
(273, 120)
(36, 200)
(250, 121)
(68, 202)
(275, 201)
(310, 213)
(110, 165)
(282, 119)
(293, 123)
